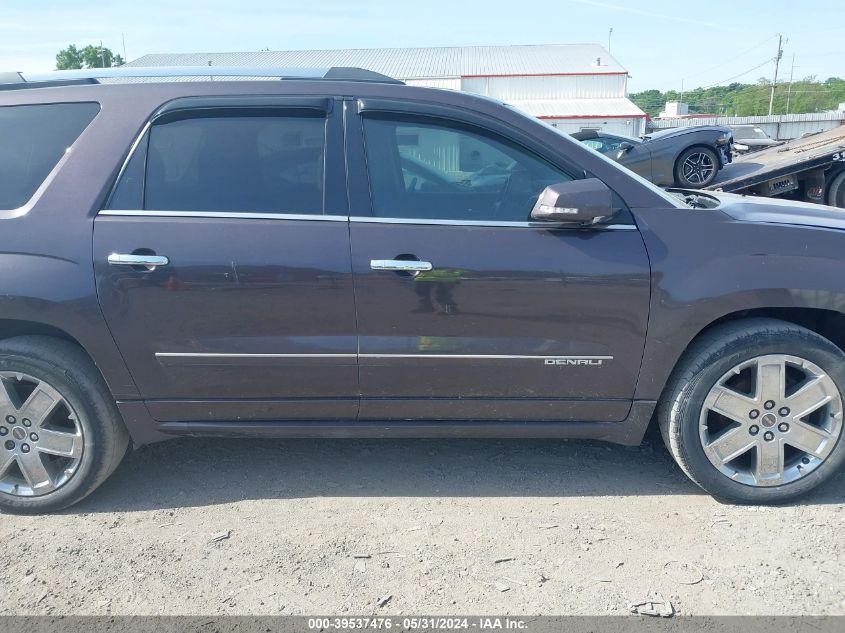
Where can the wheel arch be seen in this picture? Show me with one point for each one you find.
(105, 357)
(827, 323)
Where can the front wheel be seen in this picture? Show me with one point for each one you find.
(753, 413)
(696, 167)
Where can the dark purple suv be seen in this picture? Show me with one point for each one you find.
(336, 254)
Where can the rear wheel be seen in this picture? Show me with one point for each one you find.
(754, 412)
(696, 167)
(60, 432)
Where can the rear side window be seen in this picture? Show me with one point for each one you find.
(33, 138)
(264, 163)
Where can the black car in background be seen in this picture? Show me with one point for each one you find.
(687, 157)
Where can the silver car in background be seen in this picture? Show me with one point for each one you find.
(688, 157)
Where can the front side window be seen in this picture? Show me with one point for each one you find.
(255, 163)
(33, 138)
(424, 170)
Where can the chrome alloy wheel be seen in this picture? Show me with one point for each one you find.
(41, 439)
(698, 168)
(771, 420)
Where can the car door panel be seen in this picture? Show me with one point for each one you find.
(251, 316)
(513, 321)
(509, 305)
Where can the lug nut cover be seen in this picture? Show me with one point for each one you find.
(754, 429)
(768, 436)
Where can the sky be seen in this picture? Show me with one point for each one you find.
(662, 44)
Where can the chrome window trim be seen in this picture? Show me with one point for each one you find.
(141, 213)
(356, 219)
(493, 223)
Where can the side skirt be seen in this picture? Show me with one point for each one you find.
(145, 430)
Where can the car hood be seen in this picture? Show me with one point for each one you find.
(776, 211)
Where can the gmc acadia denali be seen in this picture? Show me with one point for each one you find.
(331, 253)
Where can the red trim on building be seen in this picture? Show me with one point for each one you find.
(593, 116)
(542, 75)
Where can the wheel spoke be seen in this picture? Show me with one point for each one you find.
(40, 404)
(731, 404)
(730, 445)
(35, 473)
(808, 438)
(769, 464)
(808, 398)
(771, 379)
(6, 402)
(59, 443)
(7, 458)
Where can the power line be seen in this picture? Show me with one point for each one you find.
(750, 70)
(732, 59)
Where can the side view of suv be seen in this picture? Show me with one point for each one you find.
(336, 254)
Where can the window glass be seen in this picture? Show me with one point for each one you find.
(33, 138)
(427, 170)
(260, 163)
(129, 191)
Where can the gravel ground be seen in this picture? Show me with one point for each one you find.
(265, 527)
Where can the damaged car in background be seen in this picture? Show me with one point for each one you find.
(689, 157)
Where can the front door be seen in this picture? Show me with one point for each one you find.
(468, 311)
(223, 264)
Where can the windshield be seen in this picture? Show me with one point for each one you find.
(669, 198)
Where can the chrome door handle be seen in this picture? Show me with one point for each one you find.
(405, 265)
(150, 261)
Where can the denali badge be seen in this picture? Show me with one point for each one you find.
(594, 362)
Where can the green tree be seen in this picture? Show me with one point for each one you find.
(69, 58)
(736, 99)
(89, 57)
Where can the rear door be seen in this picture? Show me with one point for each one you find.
(223, 264)
(495, 317)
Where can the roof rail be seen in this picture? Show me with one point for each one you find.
(16, 81)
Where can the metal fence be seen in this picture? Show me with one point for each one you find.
(780, 126)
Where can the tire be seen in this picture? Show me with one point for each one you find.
(836, 191)
(708, 446)
(79, 440)
(697, 177)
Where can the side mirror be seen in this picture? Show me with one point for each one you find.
(576, 201)
(623, 149)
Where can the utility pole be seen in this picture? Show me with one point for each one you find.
(775, 81)
(123, 37)
(789, 90)
(609, 34)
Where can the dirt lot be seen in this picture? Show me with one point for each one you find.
(332, 527)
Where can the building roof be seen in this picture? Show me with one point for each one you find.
(419, 63)
(579, 108)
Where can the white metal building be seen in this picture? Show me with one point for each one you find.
(572, 86)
